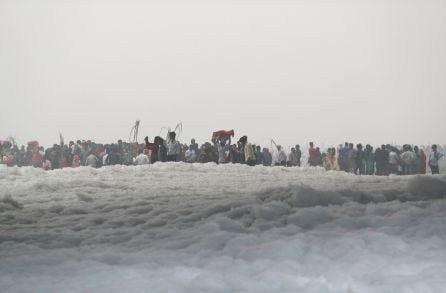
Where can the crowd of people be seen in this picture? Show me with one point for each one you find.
(384, 160)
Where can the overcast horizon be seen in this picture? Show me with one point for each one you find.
(323, 71)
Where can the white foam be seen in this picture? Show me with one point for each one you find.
(208, 228)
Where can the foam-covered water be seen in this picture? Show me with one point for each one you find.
(205, 228)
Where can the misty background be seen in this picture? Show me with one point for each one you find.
(292, 71)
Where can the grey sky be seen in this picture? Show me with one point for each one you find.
(295, 71)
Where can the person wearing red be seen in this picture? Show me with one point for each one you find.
(76, 160)
(36, 159)
(423, 160)
(312, 155)
(153, 148)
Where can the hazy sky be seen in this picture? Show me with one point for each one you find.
(295, 71)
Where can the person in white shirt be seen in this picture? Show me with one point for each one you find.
(281, 156)
(190, 155)
(142, 158)
(173, 148)
(394, 160)
(91, 160)
(434, 157)
(222, 149)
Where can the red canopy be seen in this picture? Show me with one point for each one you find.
(222, 133)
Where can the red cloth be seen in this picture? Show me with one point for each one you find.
(222, 133)
(34, 143)
(312, 153)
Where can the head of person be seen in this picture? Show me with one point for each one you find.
(311, 144)
(172, 135)
(434, 147)
(192, 141)
(297, 146)
(258, 148)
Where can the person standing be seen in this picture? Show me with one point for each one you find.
(360, 160)
(162, 149)
(379, 160)
(298, 155)
(267, 158)
(194, 146)
(343, 158)
(416, 162)
(312, 156)
(394, 161)
(173, 148)
(153, 150)
(250, 158)
(407, 159)
(369, 160)
(259, 156)
(330, 162)
(423, 160)
(434, 157)
(281, 156)
(222, 149)
(351, 158)
(190, 155)
(319, 160)
(91, 160)
(292, 158)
